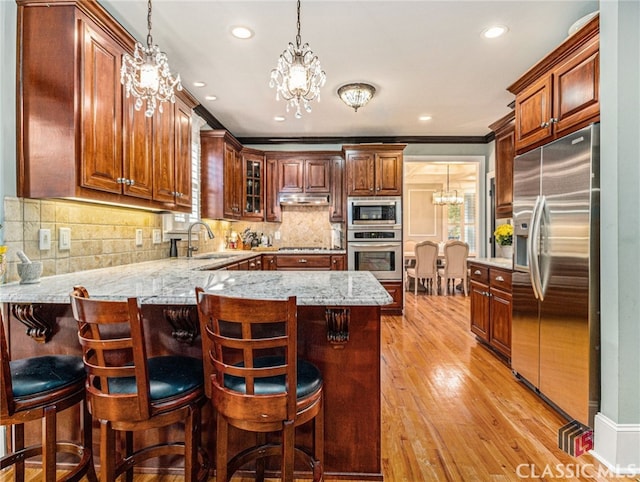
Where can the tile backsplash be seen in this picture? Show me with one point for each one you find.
(103, 236)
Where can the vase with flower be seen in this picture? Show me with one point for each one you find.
(504, 239)
(3, 260)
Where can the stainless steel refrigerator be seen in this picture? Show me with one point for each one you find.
(556, 308)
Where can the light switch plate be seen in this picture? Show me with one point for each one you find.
(64, 239)
(138, 237)
(157, 236)
(44, 238)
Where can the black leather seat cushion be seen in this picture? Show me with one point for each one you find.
(309, 378)
(169, 376)
(32, 376)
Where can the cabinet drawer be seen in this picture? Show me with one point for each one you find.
(304, 262)
(479, 273)
(500, 279)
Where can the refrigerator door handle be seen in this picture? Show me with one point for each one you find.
(530, 255)
(534, 261)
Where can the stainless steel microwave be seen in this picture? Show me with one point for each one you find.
(374, 211)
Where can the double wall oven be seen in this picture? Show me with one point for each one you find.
(374, 236)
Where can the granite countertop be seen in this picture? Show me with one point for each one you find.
(505, 263)
(172, 281)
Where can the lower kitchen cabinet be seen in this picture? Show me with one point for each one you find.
(490, 312)
(307, 262)
(394, 288)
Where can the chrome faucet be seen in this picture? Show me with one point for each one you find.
(190, 248)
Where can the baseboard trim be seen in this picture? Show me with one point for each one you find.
(617, 446)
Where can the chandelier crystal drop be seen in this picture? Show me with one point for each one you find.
(356, 95)
(298, 76)
(448, 197)
(147, 75)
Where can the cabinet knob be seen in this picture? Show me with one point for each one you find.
(553, 120)
(302, 260)
(477, 272)
(499, 278)
(544, 124)
(120, 180)
(130, 182)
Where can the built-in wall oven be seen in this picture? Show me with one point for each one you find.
(378, 250)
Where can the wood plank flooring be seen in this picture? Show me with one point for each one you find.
(452, 410)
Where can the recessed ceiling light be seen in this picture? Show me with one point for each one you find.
(242, 32)
(279, 118)
(424, 118)
(199, 83)
(494, 31)
(210, 97)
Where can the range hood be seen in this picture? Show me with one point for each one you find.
(304, 199)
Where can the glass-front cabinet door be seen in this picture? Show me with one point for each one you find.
(253, 186)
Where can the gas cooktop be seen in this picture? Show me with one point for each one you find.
(299, 248)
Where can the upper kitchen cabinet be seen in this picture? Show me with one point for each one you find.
(253, 184)
(504, 130)
(78, 135)
(221, 175)
(303, 172)
(559, 94)
(374, 170)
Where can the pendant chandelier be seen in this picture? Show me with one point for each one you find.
(147, 76)
(356, 95)
(298, 76)
(448, 197)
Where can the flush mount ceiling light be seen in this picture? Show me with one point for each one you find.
(494, 31)
(298, 76)
(448, 197)
(147, 75)
(356, 95)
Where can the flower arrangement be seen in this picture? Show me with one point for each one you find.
(3, 259)
(504, 235)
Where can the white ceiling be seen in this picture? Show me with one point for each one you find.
(423, 57)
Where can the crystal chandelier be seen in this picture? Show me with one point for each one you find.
(356, 95)
(442, 197)
(147, 76)
(298, 76)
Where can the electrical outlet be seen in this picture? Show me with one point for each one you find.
(157, 236)
(138, 237)
(64, 239)
(44, 237)
(277, 235)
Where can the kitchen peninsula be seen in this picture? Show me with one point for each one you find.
(338, 330)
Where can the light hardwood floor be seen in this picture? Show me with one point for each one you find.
(452, 411)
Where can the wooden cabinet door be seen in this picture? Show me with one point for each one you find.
(533, 113)
(500, 335)
(268, 262)
(272, 207)
(182, 184)
(505, 153)
(388, 174)
(360, 173)
(137, 161)
(394, 288)
(317, 175)
(338, 262)
(338, 204)
(164, 163)
(232, 182)
(101, 96)
(252, 187)
(479, 312)
(576, 86)
(291, 175)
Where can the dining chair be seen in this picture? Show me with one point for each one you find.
(38, 388)
(256, 382)
(129, 392)
(426, 265)
(455, 266)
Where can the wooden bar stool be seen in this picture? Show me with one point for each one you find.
(250, 353)
(39, 388)
(128, 392)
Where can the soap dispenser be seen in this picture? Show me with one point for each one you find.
(173, 249)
